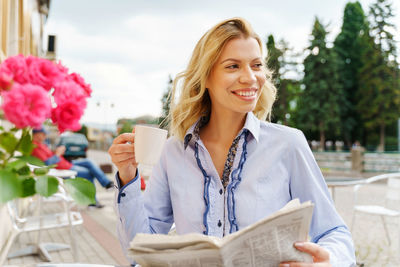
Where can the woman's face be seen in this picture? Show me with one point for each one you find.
(236, 79)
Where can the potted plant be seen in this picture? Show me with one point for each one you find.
(32, 91)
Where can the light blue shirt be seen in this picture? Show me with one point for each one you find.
(273, 165)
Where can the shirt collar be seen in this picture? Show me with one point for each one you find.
(192, 134)
(252, 124)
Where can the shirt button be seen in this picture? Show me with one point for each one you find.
(123, 194)
(220, 191)
(219, 223)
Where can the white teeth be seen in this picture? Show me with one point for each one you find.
(246, 93)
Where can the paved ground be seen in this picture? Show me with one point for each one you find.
(97, 241)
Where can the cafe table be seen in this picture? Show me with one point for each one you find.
(334, 182)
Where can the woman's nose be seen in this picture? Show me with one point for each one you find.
(247, 76)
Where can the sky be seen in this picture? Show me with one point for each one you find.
(126, 49)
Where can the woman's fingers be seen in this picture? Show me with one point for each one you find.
(124, 138)
(122, 158)
(319, 253)
(122, 148)
(303, 264)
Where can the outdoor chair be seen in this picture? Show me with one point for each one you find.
(385, 211)
(39, 222)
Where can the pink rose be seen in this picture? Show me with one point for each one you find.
(81, 82)
(18, 67)
(68, 90)
(26, 105)
(67, 116)
(6, 78)
(62, 68)
(43, 72)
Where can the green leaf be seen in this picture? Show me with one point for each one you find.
(28, 187)
(41, 171)
(26, 146)
(25, 170)
(8, 141)
(10, 186)
(46, 185)
(16, 165)
(81, 190)
(2, 155)
(31, 160)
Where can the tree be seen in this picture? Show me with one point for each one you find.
(318, 107)
(273, 59)
(166, 104)
(379, 92)
(83, 130)
(126, 127)
(279, 61)
(348, 47)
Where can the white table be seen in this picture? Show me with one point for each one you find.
(334, 182)
(43, 249)
(62, 173)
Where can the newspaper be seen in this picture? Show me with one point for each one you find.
(265, 243)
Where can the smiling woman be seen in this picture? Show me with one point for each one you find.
(224, 167)
(195, 98)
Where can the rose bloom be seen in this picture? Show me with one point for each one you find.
(43, 72)
(62, 68)
(18, 67)
(81, 82)
(68, 90)
(6, 78)
(26, 105)
(67, 116)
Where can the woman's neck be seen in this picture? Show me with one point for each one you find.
(223, 127)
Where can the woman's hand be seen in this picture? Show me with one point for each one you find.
(60, 150)
(319, 254)
(122, 152)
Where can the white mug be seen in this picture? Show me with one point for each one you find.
(149, 142)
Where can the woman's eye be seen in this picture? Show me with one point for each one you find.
(258, 65)
(234, 66)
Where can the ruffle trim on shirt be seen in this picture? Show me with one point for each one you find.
(206, 195)
(236, 179)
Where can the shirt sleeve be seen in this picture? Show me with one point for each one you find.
(307, 183)
(150, 212)
(52, 160)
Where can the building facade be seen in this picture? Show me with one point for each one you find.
(21, 27)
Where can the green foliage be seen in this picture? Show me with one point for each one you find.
(18, 180)
(41, 171)
(31, 160)
(348, 46)
(273, 59)
(81, 190)
(46, 185)
(379, 91)
(166, 105)
(381, 15)
(10, 186)
(83, 130)
(318, 108)
(26, 146)
(126, 127)
(28, 187)
(279, 61)
(8, 141)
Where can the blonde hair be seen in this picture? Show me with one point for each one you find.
(194, 100)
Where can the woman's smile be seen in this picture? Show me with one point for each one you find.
(246, 94)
